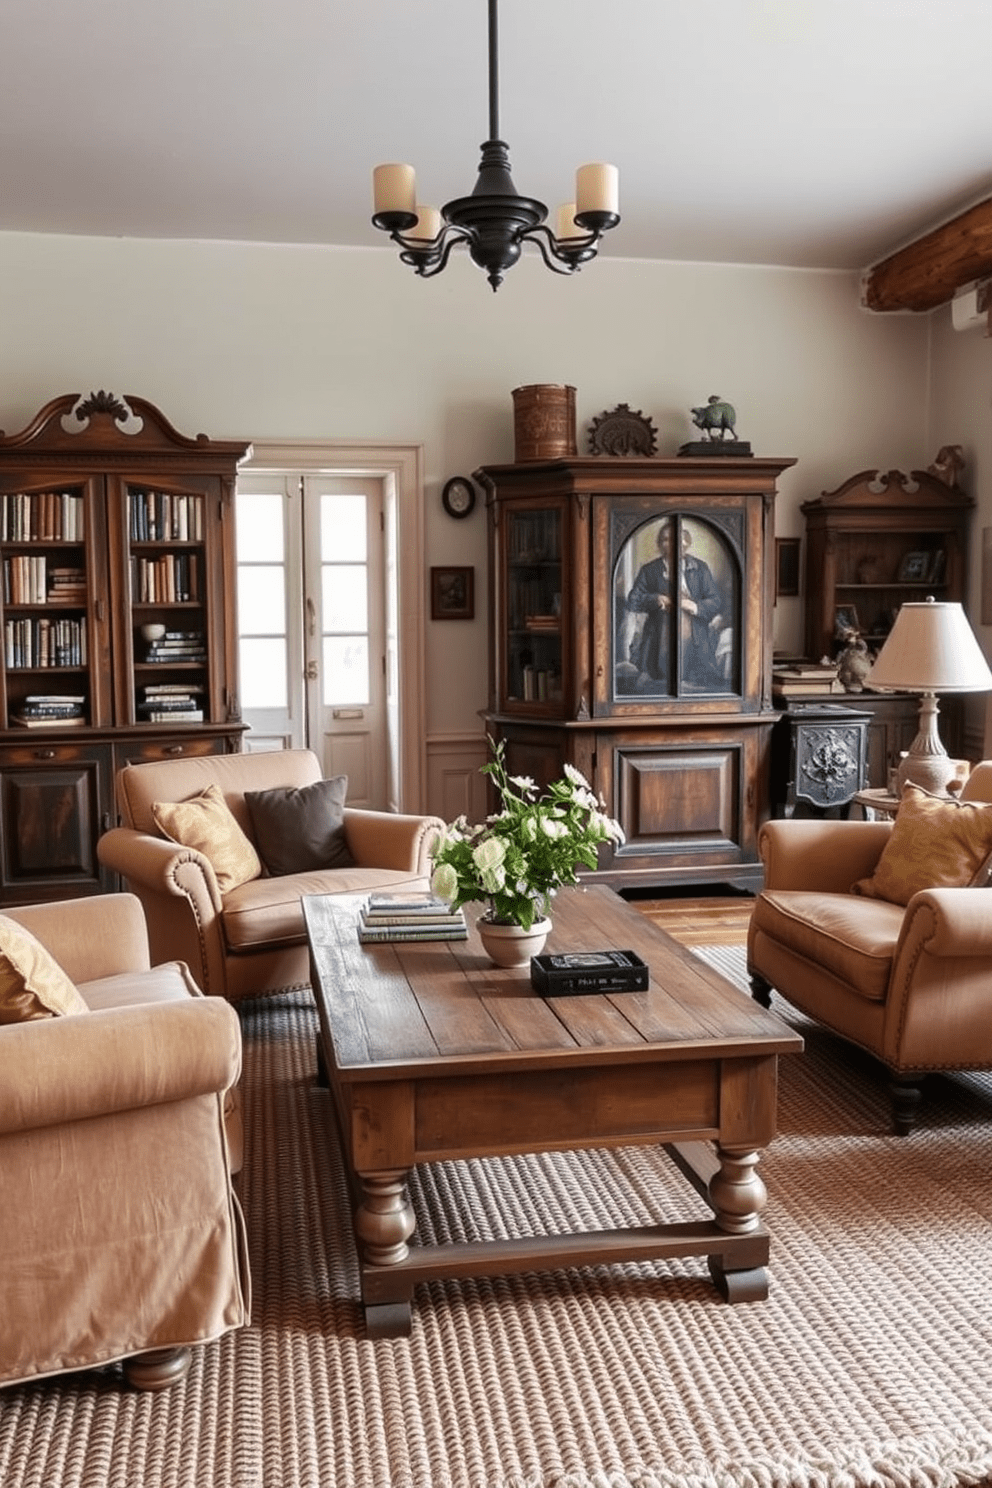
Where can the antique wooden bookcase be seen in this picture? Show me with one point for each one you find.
(669, 722)
(110, 522)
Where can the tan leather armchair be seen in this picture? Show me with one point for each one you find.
(251, 940)
(120, 1234)
(910, 985)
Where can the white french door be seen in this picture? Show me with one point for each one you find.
(312, 621)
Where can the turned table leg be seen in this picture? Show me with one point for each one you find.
(384, 1222)
(738, 1197)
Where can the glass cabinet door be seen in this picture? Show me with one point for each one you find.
(534, 606)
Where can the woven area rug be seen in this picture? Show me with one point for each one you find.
(869, 1364)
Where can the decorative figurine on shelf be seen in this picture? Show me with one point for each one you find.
(717, 419)
(854, 661)
(621, 431)
(948, 465)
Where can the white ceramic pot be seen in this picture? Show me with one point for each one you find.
(511, 945)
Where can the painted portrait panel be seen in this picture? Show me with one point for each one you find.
(700, 652)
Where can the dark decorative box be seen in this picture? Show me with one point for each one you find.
(573, 974)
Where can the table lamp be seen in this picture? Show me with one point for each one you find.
(931, 648)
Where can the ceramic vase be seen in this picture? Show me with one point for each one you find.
(512, 945)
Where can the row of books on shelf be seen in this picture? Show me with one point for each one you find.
(41, 516)
(164, 516)
(44, 643)
(171, 702)
(177, 645)
(50, 710)
(409, 916)
(28, 578)
(539, 683)
(171, 578)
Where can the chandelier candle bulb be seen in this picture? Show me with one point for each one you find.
(428, 223)
(597, 189)
(565, 224)
(394, 189)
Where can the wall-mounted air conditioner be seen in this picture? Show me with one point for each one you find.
(970, 308)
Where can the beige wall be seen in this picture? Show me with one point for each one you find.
(310, 343)
(960, 412)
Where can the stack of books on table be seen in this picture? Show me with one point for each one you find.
(50, 710)
(410, 916)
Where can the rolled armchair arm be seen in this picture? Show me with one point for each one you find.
(86, 1065)
(178, 892)
(90, 938)
(152, 863)
(820, 854)
(386, 839)
(948, 922)
(937, 1010)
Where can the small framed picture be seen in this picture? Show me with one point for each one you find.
(786, 567)
(845, 618)
(914, 568)
(452, 593)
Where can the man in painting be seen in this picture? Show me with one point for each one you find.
(654, 592)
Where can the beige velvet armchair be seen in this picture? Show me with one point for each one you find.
(911, 984)
(249, 940)
(120, 1235)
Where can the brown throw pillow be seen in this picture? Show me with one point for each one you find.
(300, 828)
(32, 983)
(936, 843)
(205, 822)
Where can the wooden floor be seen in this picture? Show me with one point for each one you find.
(715, 920)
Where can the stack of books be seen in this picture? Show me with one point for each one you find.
(172, 702)
(50, 710)
(805, 679)
(178, 645)
(410, 916)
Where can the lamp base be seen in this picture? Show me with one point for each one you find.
(927, 763)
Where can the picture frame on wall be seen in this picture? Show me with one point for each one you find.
(453, 593)
(786, 567)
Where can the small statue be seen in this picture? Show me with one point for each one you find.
(948, 465)
(717, 415)
(854, 661)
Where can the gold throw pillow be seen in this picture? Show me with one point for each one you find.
(205, 822)
(937, 842)
(32, 983)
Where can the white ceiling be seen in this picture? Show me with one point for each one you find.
(815, 133)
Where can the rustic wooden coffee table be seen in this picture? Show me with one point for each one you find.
(431, 1053)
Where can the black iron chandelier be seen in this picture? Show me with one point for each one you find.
(494, 222)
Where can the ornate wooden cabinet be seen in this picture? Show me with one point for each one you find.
(880, 539)
(649, 672)
(118, 624)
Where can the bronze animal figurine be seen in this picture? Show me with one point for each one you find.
(853, 662)
(717, 419)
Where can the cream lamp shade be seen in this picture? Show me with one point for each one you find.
(930, 649)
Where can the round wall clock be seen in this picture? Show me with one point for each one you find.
(458, 496)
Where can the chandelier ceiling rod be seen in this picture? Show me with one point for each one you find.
(494, 222)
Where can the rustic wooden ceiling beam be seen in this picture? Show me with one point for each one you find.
(931, 270)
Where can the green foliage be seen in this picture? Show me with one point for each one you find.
(531, 847)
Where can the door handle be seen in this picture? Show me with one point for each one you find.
(311, 617)
(310, 671)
